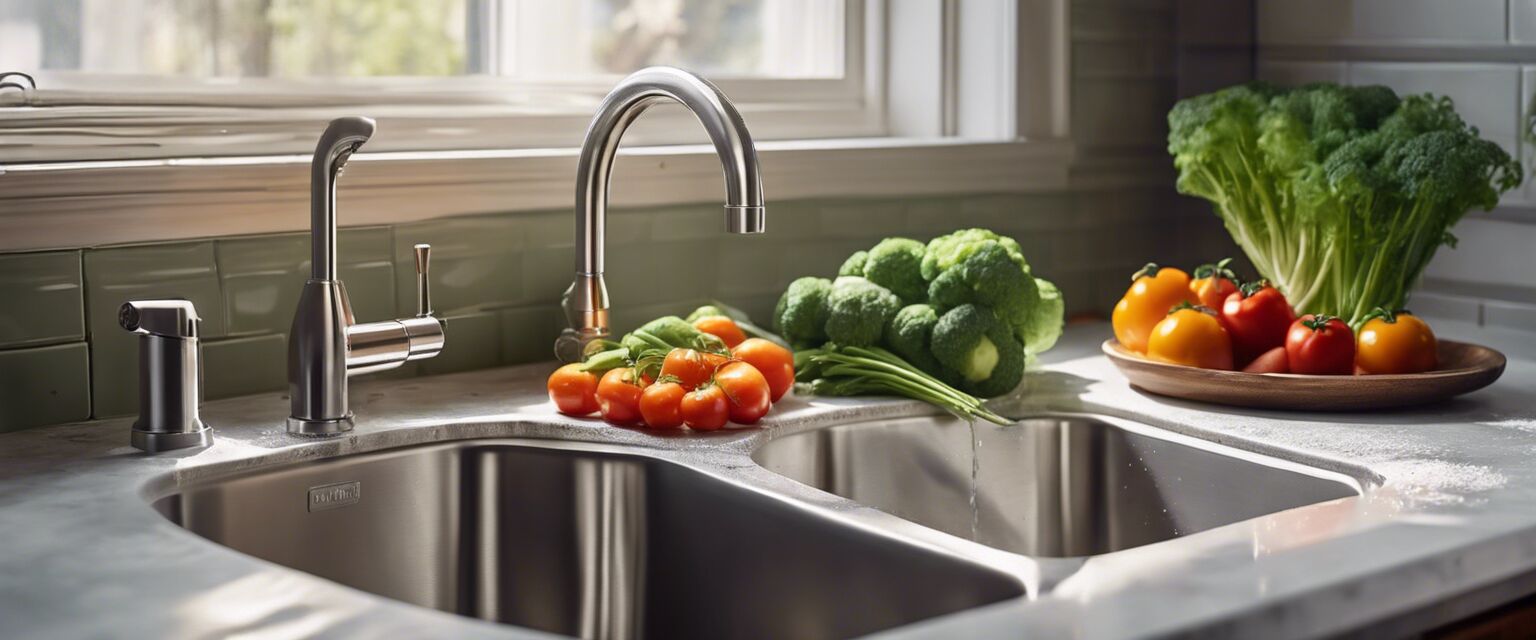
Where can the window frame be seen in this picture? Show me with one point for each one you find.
(816, 143)
(275, 116)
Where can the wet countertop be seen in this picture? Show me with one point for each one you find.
(1446, 528)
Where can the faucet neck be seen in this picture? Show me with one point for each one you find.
(341, 139)
(632, 96)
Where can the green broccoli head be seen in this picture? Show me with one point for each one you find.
(908, 335)
(858, 311)
(854, 265)
(800, 316)
(1042, 325)
(946, 251)
(896, 264)
(980, 349)
(988, 277)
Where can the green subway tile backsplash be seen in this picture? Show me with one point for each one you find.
(113, 276)
(44, 385)
(498, 279)
(242, 366)
(44, 298)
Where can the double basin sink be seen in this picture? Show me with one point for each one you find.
(925, 518)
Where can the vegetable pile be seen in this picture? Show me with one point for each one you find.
(1338, 195)
(944, 322)
(1170, 318)
(702, 373)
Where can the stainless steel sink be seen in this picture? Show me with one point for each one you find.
(1062, 486)
(581, 540)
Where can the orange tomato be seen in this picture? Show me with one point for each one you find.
(618, 395)
(661, 405)
(691, 368)
(1395, 343)
(776, 364)
(1154, 291)
(1191, 336)
(721, 327)
(573, 391)
(748, 391)
(705, 408)
(1213, 283)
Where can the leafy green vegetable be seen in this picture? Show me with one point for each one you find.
(1339, 195)
(801, 313)
(855, 371)
(980, 348)
(858, 310)
(896, 264)
(1043, 323)
(670, 332)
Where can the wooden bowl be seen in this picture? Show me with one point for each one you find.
(1463, 368)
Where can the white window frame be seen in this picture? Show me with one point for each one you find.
(974, 101)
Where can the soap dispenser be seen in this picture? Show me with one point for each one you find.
(170, 375)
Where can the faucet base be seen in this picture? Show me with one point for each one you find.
(322, 428)
(157, 441)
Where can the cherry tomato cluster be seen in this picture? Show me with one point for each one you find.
(1213, 322)
(700, 390)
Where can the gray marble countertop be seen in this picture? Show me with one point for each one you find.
(1448, 526)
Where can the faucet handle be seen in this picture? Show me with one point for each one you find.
(423, 288)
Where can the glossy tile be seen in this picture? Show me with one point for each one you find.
(44, 385)
(242, 366)
(44, 298)
(114, 275)
(528, 333)
(475, 263)
(365, 262)
(471, 342)
(262, 277)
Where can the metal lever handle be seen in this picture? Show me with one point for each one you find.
(423, 287)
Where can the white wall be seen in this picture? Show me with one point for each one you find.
(1481, 53)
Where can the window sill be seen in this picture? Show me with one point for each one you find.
(57, 205)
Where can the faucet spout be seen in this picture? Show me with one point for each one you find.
(586, 302)
(341, 139)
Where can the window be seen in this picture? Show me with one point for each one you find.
(510, 73)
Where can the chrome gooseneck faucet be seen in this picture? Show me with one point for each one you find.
(325, 344)
(586, 302)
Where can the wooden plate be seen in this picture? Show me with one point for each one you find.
(1463, 368)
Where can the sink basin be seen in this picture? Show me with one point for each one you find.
(579, 540)
(1058, 486)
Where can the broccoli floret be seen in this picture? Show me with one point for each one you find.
(1042, 326)
(946, 251)
(859, 310)
(801, 313)
(908, 335)
(988, 277)
(854, 265)
(896, 264)
(980, 348)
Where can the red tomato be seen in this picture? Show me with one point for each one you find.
(1273, 361)
(691, 368)
(1257, 317)
(706, 408)
(1320, 345)
(573, 391)
(661, 405)
(721, 327)
(748, 391)
(618, 395)
(776, 364)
